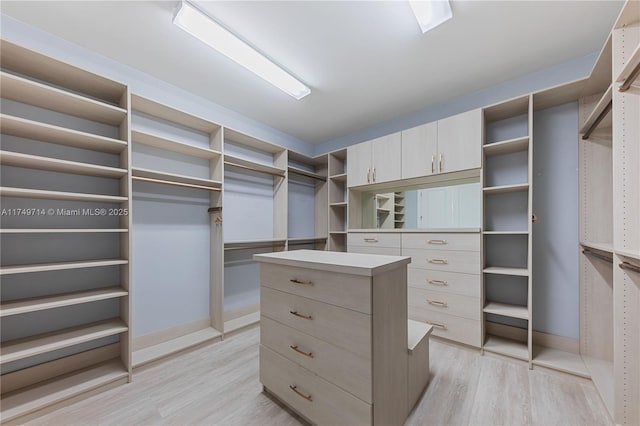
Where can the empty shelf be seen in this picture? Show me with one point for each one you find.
(338, 232)
(634, 254)
(507, 147)
(302, 172)
(9, 158)
(507, 347)
(499, 270)
(35, 345)
(169, 178)
(59, 266)
(507, 310)
(310, 239)
(156, 109)
(61, 230)
(40, 95)
(605, 247)
(242, 322)
(161, 350)
(342, 177)
(506, 232)
(61, 388)
(232, 161)
(339, 204)
(17, 307)
(556, 359)
(506, 188)
(59, 195)
(29, 129)
(171, 145)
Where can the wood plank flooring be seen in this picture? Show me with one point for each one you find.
(218, 385)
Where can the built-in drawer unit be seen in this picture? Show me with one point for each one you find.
(341, 367)
(342, 327)
(441, 241)
(309, 394)
(348, 291)
(448, 261)
(450, 327)
(448, 303)
(384, 251)
(373, 239)
(446, 282)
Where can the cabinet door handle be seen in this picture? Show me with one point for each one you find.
(371, 240)
(307, 317)
(437, 282)
(438, 261)
(437, 325)
(307, 354)
(440, 242)
(374, 174)
(433, 160)
(368, 175)
(297, 281)
(295, 389)
(441, 161)
(437, 303)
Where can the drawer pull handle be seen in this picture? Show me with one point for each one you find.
(371, 240)
(437, 242)
(297, 281)
(437, 282)
(437, 303)
(307, 317)
(295, 389)
(438, 261)
(437, 325)
(307, 354)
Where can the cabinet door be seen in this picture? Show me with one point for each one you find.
(460, 142)
(420, 151)
(386, 158)
(359, 169)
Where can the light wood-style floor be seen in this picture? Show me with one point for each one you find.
(218, 385)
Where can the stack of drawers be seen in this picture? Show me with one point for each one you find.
(444, 283)
(374, 243)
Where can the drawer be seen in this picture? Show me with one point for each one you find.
(447, 303)
(453, 241)
(449, 261)
(446, 282)
(310, 395)
(387, 251)
(373, 239)
(450, 327)
(347, 291)
(338, 366)
(342, 327)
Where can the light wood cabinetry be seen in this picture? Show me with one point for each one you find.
(308, 342)
(420, 151)
(76, 213)
(375, 161)
(338, 202)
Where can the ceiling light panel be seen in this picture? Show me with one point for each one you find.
(431, 13)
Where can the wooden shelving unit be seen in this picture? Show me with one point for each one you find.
(507, 310)
(165, 143)
(500, 270)
(338, 201)
(175, 179)
(507, 147)
(506, 188)
(242, 163)
(564, 361)
(34, 376)
(506, 347)
(170, 347)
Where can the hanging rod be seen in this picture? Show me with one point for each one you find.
(311, 175)
(170, 182)
(255, 246)
(631, 71)
(306, 243)
(597, 121)
(597, 255)
(255, 169)
(214, 209)
(630, 267)
(629, 80)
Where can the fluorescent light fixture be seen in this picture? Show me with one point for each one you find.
(199, 25)
(431, 13)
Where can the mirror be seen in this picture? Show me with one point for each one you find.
(451, 204)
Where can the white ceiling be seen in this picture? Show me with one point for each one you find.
(366, 61)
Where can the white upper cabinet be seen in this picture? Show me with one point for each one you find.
(460, 142)
(375, 161)
(420, 151)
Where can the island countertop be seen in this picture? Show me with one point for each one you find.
(330, 261)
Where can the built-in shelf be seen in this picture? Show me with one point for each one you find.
(14, 350)
(258, 241)
(338, 232)
(338, 204)
(506, 188)
(60, 266)
(40, 95)
(6, 191)
(604, 247)
(507, 347)
(383, 211)
(245, 321)
(602, 375)
(342, 177)
(161, 350)
(242, 163)
(302, 172)
(35, 130)
(500, 270)
(599, 111)
(556, 359)
(629, 69)
(161, 142)
(17, 159)
(174, 179)
(507, 310)
(310, 239)
(17, 307)
(60, 389)
(164, 112)
(62, 230)
(507, 147)
(505, 232)
(629, 253)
